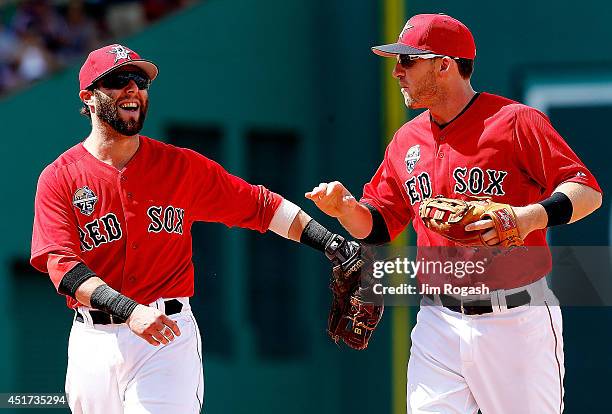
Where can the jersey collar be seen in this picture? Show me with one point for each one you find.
(439, 131)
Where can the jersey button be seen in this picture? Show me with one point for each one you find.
(134, 246)
(129, 195)
(123, 178)
(440, 154)
(132, 279)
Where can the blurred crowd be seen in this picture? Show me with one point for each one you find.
(38, 37)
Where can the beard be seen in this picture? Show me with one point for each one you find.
(425, 94)
(108, 112)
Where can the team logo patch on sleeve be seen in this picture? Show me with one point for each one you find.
(412, 157)
(85, 200)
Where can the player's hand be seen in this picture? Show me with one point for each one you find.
(333, 199)
(152, 325)
(487, 226)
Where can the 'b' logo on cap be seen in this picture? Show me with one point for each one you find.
(406, 27)
(121, 52)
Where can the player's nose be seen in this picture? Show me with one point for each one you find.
(398, 70)
(131, 86)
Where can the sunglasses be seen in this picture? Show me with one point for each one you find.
(119, 80)
(409, 60)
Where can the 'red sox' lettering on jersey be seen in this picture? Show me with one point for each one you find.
(87, 211)
(106, 229)
(473, 181)
(476, 181)
(515, 157)
(169, 219)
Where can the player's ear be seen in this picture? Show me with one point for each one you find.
(445, 65)
(87, 97)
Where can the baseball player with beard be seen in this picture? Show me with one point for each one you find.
(112, 227)
(496, 352)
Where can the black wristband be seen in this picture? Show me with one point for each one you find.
(107, 299)
(315, 236)
(559, 209)
(74, 278)
(379, 233)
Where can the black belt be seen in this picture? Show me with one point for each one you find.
(102, 318)
(480, 307)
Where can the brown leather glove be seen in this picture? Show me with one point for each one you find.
(449, 216)
(356, 310)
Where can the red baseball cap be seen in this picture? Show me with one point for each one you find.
(103, 61)
(437, 34)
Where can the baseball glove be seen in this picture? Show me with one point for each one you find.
(449, 216)
(355, 309)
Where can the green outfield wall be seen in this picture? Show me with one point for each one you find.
(287, 94)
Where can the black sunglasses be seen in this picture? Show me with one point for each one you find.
(119, 80)
(409, 60)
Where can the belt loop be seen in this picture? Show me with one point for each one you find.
(161, 305)
(437, 300)
(501, 298)
(185, 302)
(495, 299)
(530, 289)
(538, 290)
(86, 316)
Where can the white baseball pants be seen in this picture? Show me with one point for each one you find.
(506, 362)
(113, 371)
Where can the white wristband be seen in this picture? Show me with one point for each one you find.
(283, 217)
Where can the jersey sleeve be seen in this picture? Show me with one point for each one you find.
(383, 193)
(544, 156)
(55, 241)
(221, 197)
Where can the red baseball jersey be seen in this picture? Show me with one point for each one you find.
(496, 148)
(133, 227)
